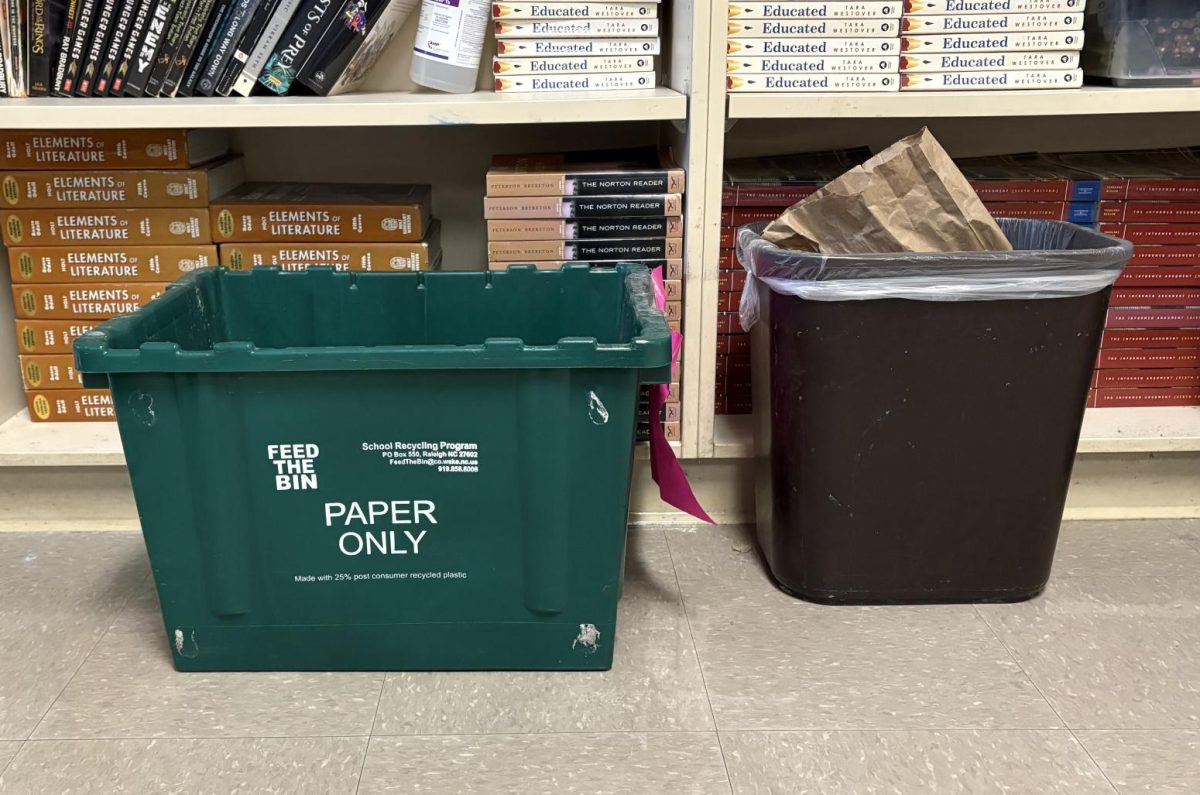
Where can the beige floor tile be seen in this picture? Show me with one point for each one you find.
(650, 596)
(771, 661)
(309, 765)
(1110, 652)
(1140, 548)
(58, 594)
(1147, 762)
(7, 751)
(654, 685)
(907, 762)
(129, 688)
(557, 764)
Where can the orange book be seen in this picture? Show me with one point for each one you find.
(51, 336)
(50, 371)
(59, 264)
(109, 149)
(105, 227)
(86, 301)
(70, 405)
(192, 187)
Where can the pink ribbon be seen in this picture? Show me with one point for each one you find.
(673, 486)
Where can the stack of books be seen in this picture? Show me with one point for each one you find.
(563, 45)
(297, 225)
(168, 48)
(813, 46)
(991, 44)
(95, 226)
(600, 208)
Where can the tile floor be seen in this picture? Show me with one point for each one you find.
(722, 684)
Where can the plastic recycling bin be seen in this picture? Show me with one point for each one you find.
(916, 415)
(413, 471)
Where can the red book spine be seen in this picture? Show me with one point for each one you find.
(1043, 211)
(739, 216)
(1142, 379)
(1022, 190)
(1160, 234)
(1154, 276)
(1153, 318)
(1167, 396)
(1151, 189)
(1167, 338)
(1142, 359)
(1166, 255)
(1155, 297)
(1150, 212)
(771, 195)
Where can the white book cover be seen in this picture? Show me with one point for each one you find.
(544, 48)
(603, 82)
(995, 42)
(834, 64)
(748, 48)
(805, 83)
(575, 28)
(812, 28)
(994, 81)
(582, 64)
(925, 7)
(567, 10)
(833, 9)
(990, 23)
(987, 61)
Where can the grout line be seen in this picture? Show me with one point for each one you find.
(13, 758)
(116, 614)
(1012, 656)
(699, 665)
(371, 731)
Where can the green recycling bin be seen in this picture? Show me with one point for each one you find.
(385, 471)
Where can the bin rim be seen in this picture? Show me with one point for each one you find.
(648, 349)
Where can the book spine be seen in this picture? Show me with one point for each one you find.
(47, 20)
(35, 190)
(1152, 189)
(749, 48)
(586, 229)
(1153, 318)
(79, 42)
(581, 65)
(1158, 276)
(825, 82)
(1042, 211)
(105, 14)
(245, 45)
(926, 7)
(399, 223)
(227, 42)
(1178, 297)
(120, 34)
(70, 20)
(111, 227)
(258, 56)
(560, 10)
(990, 42)
(50, 371)
(358, 23)
(189, 40)
(1149, 212)
(158, 23)
(292, 50)
(170, 46)
(581, 207)
(3, 70)
(609, 82)
(857, 9)
(349, 68)
(1022, 190)
(1167, 396)
(70, 405)
(575, 28)
(15, 47)
(1152, 338)
(990, 23)
(813, 28)
(1176, 256)
(737, 217)
(954, 62)
(50, 336)
(672, 268)
(87, 263)
(208, 42)
(82, 301)
(501, 184)
(1152, 358)
(129, 50)
(954, 81)
(1168, 234)
(809, 64)
(518, 48)
(518, 251)
(345, 256)
(101, 149)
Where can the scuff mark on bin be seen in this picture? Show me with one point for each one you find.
(588, 638)
(142, 406)
(186, 646)
(597, 410)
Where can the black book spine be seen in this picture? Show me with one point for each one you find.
(137, 32)
(187, 46)
(207, 42)
(354, 18)
(254, 29)
(46, 20)
(166, 53)
(617, 206)
(106, 12)
(294, 47)
(17, 78)
(64, 45)
(242, 11)
(79, 42)
(3, 71)
(121, 27)
(618, 249)
(151, 42)
(616, 184)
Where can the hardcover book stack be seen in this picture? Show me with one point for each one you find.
(829, 45)
(991, 44)
(95, 226)
(168, 48)
(758, 189)
(297, 225)
(562, 45)
(599, 207)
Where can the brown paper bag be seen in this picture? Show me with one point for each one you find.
(909, 197)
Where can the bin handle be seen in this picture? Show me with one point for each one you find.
(673, 486)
